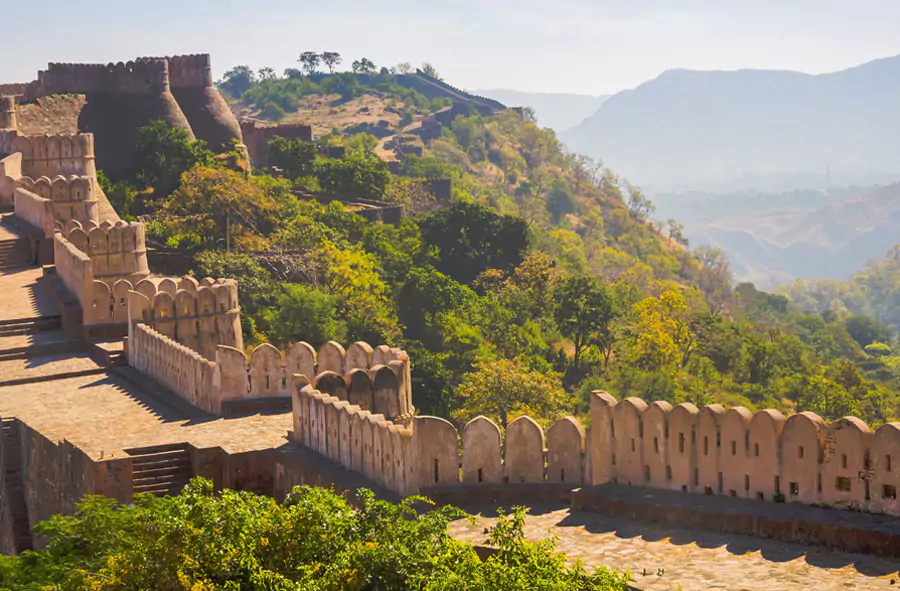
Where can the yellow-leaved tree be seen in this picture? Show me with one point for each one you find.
(659, 334)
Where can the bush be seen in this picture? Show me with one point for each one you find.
(314, 541)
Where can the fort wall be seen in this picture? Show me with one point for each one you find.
(36, 210)
(54, 155)
(76, 272)
(257, 138)
(147, 75)
(117, 251)
(710, 451)
(200, 315)
(10, 173)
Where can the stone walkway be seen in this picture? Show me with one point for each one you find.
(697, 561)
(104, 415)
(22, 297)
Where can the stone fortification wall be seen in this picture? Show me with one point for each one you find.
(97, 264)
(178, 368)
(36, 210)
(14, 89)
(52, 155)
(10, 173)
(200, 315)
(733, 452)
(117, 251)
(8, 119)
(76, 272)
(376, 380)
(134, 77)
(710, 451)
(122, 97)
(356, 439)
(257, 138)
(73, 198)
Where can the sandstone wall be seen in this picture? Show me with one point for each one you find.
(733, 452)
(356, 439)
(257, 138)
(53, 155)
(35, 210)
(178, 368)
(10, 173)
(117, 251)
(72, 198)
(201, 315)
(76, 271)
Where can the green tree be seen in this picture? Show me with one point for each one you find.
(309, 61)
(314, 540)
(302, 313)
(294, 157)
(560, 200)
(238, 80)
(163, 153)
(470, 238)
(430, 70)
(331, 59)
(363, 66)
(505, 388)
(866, 330)
(267, 74)
(583, 313)
(354, 176)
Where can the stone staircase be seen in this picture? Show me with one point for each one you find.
(15, 253)
(13, 485)
(27, 326)
(160, 470)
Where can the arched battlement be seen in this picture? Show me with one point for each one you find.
(655, 444)
(565, 451)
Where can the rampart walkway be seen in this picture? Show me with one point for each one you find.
(698, 561)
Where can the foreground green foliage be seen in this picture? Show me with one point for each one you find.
(312, 541)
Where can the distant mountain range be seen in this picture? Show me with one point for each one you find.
(776, 238)
(769, 130)
(556, 111)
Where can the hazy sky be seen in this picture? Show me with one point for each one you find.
(584, 46)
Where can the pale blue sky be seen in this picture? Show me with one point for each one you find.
(584, 46)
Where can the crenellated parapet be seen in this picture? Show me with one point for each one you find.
(52, 155)
(117, 251)
(201, 315)
(711, 451)
(733, 452)
(357, 439)
(190, 71)
(376, 380)
(133, 77)
(73, 198)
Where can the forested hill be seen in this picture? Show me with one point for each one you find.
(751, 129)
(543, 279)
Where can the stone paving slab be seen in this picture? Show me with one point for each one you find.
(22, 296)
(103, 415)
(45, 366)
(698, 561)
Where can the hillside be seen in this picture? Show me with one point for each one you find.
(558, 111)
(773, 238)
(542, 279)
(768, 130)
